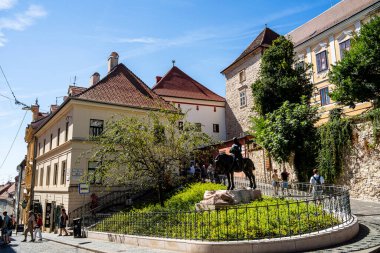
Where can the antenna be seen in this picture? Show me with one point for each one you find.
(75, 79)
(173, 61)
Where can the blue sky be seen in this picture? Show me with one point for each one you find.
(44, 44)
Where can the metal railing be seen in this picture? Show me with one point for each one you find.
(301, 213)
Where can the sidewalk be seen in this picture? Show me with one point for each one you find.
(100, 246)
(367, 241)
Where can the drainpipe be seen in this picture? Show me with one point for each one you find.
(31, 196)
(17, 205)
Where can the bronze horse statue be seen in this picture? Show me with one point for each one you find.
(224, 165)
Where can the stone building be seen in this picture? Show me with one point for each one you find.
(240, 74)
(64, 136)
(201, 105)
(322, 42)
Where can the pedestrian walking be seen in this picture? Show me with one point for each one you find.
(275, 182)
(210, 172)
(316, 182)
(285, 182)
(203, 173)
(62, 222)
(38, 227)
(30, 226)
(7, 228)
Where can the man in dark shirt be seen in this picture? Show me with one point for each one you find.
(285, 181)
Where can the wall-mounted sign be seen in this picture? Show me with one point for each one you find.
(84, 188)
(47, 215)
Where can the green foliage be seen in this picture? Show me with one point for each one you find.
(357, 75)
(146, 151)
(335, 141)
(185, 199)
(374, 117)
(267, 218)
(289, 129)
(278, 80)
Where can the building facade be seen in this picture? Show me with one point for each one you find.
(63, 140)
(323, 41)
(239, 77)
(201, 105)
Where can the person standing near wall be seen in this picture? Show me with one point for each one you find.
(31, 222)
(62, 222)
(275, 182)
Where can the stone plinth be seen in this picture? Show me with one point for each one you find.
(225, 198)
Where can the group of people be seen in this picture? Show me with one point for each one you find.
(35, 224)
(316, 181)
(201, 173)
(7, 224)
(284, 183)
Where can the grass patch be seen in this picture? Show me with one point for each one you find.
(270, 217)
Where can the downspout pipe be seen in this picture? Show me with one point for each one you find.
(33, 174)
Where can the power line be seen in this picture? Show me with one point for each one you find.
(9, 86)
(1, 95)
(13, 142)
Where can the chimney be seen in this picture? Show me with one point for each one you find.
(53, 108)
(36, 111)
(113, 61)
(94, 79)
(158, 78)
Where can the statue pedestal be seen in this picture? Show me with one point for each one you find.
(213, 200)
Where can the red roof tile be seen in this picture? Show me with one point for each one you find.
(177, 83)
(264, 39)
(122, 87)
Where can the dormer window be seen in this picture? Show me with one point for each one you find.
(322, 64)
(242, 76)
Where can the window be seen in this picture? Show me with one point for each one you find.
(55, 175)
(243, 101)
(36, 178)
(324, 93)
(197, 107)
(179, 106)
(344, 46)
(41, 175)
(51, 142)
(48, 175)
(67, 131)
(43, 148)
(180, 125)
(96, 127)
(321, 61)
(242, 76)
(93, 176)
(198, 127)
(215, 128)
(214, 108)
(58, 135)
(39, 148)
(63, 173)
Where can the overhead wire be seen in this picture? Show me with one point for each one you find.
(14, 140)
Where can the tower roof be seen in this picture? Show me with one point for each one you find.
(264, 39)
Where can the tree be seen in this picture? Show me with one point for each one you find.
(289, 130)
(279, 80)
(357, 75)
(148, 150)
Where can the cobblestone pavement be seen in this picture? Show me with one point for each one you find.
(45, 246)
(368, 238)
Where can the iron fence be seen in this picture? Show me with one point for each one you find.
(300, 213)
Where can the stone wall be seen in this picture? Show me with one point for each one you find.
(237, 117)
(361, 171)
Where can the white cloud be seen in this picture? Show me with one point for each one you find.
(21, 21)
(142, 40)
(7, 4)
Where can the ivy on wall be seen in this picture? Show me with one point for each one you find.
(335, 141)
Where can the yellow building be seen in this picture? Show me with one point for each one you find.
(64, 137)
(322, 42)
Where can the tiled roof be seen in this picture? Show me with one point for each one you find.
(333, 16)
(122, 87)
(177, 83)
(264, 39)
